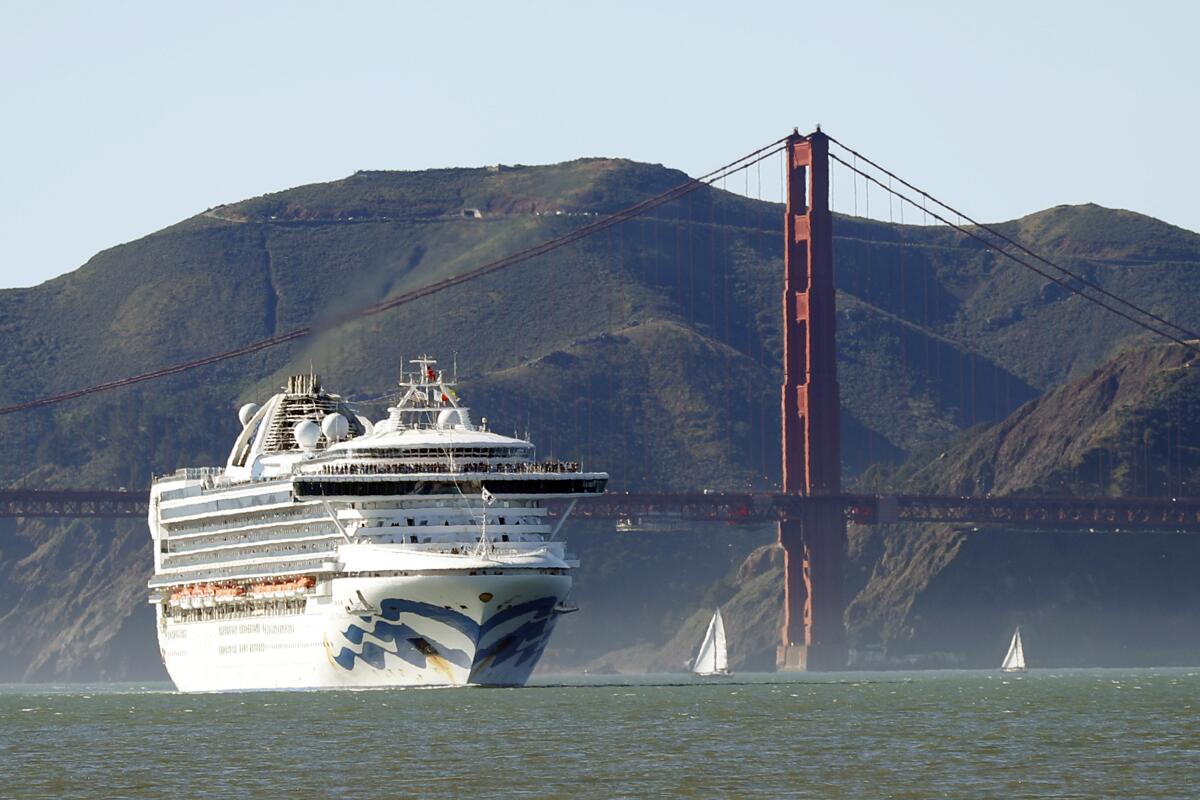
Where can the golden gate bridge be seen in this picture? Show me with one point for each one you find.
(811, 510)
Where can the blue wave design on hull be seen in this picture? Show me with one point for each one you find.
(509, 659)
(389, 629)
(516, 645)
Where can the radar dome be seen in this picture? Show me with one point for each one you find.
(335, 427)
(449, 418)
(307, 434)
(247, 412)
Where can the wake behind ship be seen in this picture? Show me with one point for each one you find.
(333, 552)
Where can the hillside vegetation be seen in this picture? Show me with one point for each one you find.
(650, 350)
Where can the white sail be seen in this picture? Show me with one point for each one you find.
(720, 651)
(1014, 661)
(713, 658)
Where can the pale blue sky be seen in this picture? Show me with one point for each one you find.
(122, 118)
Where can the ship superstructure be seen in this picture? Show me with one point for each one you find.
(331, 551)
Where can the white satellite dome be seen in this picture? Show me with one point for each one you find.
(247, 412)
(335, 427)
(449, 418)
(307, 434)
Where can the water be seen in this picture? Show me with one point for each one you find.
(1091, 733)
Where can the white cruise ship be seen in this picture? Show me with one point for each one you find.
(333, 552)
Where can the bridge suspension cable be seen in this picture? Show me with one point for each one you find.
(1004, 237)
(638, 209)
(1065, 283)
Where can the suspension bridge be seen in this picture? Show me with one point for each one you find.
(810, 508)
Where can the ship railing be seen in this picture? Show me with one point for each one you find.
(192, 473)
(445, 543)
(247, 538)
(468, 546)
(266, 522)
(446, 468)
(317, 544)
(388, 468)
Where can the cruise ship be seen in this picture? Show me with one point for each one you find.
(334, 552)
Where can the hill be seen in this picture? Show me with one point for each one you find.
(650, 350)
(1127, 428)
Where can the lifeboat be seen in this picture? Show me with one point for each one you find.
(228, 593)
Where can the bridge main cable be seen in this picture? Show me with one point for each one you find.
(1081, 279)
(691, 185)
(1066, 284)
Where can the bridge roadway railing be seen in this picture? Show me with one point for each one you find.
(1078, 513)
(1075, 513)
(73, 503)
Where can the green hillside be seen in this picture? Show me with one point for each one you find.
(650, 350)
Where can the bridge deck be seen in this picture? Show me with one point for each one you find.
(1076, 513)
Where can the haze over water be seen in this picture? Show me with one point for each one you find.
(1049, 733)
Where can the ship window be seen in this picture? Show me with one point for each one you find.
(410, 522)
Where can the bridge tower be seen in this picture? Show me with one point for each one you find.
(814, 543)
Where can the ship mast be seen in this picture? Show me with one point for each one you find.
(425, 393)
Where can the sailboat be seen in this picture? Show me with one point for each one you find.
(1015, 660)
(713, 658)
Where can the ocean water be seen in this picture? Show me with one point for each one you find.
(1071, 733)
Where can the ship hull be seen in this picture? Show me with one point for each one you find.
(419, 630)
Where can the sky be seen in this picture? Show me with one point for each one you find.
(119, 119)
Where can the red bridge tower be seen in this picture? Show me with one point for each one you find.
(814, 544)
